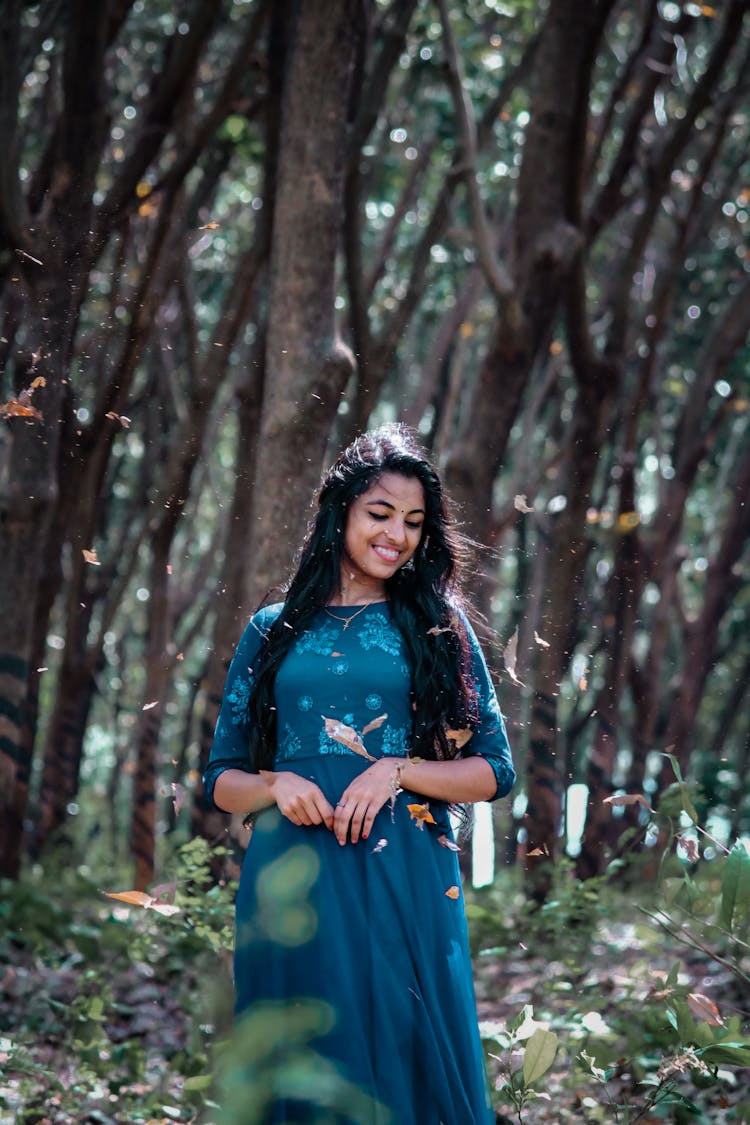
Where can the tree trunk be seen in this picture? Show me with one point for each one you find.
(307, 367)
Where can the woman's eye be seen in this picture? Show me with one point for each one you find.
(377, 516)
(414, 526)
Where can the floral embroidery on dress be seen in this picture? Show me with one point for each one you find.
(378, 632)
(238, 698)
(395, 741)
(340, 667)
(289, 743)
(305, 703)
(373, 702)
(320, 640)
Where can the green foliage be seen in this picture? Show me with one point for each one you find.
(125, 1000)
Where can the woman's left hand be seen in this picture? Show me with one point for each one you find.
(361, 801)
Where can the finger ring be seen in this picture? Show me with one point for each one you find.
(341, 805)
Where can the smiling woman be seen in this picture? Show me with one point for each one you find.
(355, 713)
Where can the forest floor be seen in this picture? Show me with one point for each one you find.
(106, 1017)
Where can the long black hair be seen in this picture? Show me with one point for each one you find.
(424, 597)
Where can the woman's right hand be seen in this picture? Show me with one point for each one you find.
(299, 799)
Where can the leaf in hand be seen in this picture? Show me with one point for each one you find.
(421, 815)
(374, 724)
(347, 736)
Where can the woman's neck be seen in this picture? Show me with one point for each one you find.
(355, 593)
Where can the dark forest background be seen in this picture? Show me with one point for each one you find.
(233, 233)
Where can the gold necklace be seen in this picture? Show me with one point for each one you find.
(346, 621)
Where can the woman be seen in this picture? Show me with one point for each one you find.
(354, 714)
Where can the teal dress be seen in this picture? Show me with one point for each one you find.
(361, 949)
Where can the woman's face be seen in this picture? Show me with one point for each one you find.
(383, 529)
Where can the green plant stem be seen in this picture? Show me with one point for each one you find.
(685, 937)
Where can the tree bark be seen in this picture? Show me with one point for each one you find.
(307, 366)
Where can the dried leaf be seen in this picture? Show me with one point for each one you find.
(374, 724)
(540, 640)
(148, 706)
(436, 630)
(704, 1009)
(689, 845)
(421, 815)
(382, 843)
(91, 557)
(519, 503)
(510, 653)
(165, 892)
(628, 799)
(445, 842)
(179, 797)
(544, 850)
(452, 892)
(460, 737)
(124, 422)
(627, 522)
(148, 902)
(17, 408)
(347, 736)
(210, 226)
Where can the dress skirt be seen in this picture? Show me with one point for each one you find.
(352, 968)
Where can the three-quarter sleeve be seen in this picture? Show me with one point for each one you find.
(490, 739)
(230, 749)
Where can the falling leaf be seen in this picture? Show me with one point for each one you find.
(555, 348)
(540, 640)
(17, 408)
(347, 736)
(421, 814)
(435, 631)
(510, 653)
(28, 257)
(169, 568)
(449, 844)
(209, 226)
(460, 737)
(707, 10)
(452, 892)
(374, 724)
(180, 656)
(139, 898)
(627, 799)
(148, 706)
(627, 521)
(335, 654)
(519, 503)
(91, 557)
(466, 330)
(124, 422)
(690, 847)
(382, 843)
(40, 381)
(704, 1009)
(179, 797)
(582, 682)
(143, 188)
(544, 850)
